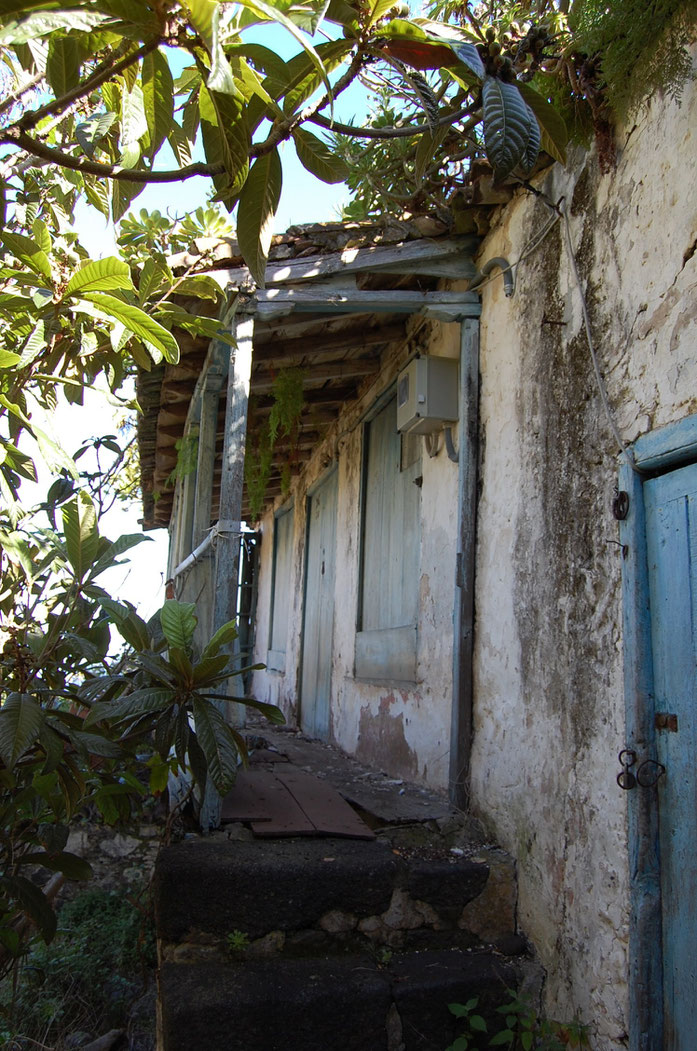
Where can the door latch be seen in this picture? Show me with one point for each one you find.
(646, 774)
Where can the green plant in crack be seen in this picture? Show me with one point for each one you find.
(237, 941)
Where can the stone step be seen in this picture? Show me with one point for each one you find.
(328, 895)
(313, 1004)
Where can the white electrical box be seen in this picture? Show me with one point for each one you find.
(427, 395)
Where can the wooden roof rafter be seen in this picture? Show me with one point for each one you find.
(322, 315)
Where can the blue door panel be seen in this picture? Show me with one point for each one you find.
(671, 531)
(318, 630)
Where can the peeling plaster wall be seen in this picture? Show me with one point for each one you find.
(549, 708)
(403, 729)
(548, 673)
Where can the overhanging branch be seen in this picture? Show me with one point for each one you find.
(392, 133)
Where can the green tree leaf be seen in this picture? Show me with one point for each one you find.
(139, 323)
(178, 621)
(317, 158)
(69, 864)
(33, 901)
(131, 707)
(81, 534)
(21, 719)
(555, 135)
(8, 358)
(208, 669)
(101, 275)
(508, 125)
(34, 344)
(217, 743)
(90, 132)
(63, 63)
(223, 637)
(28, 252)
(158, 99)
(469, 56)
(226, 141)
(257, 208)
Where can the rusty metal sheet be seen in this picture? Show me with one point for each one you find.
(329, 813)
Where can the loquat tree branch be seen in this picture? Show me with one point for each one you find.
(104, 72)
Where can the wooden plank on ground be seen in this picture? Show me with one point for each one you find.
(324, 807)
(248, 800)
(285, 816)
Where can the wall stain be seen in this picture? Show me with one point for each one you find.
(382, 742)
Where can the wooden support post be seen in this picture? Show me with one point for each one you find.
(230, 521)
(468, 433)
(206, 453)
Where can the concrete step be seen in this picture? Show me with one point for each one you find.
(322, 1002)
(332, 894)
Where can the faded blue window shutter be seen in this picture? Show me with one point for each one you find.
(388, 614)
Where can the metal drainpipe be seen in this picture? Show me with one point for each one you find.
(507, 272)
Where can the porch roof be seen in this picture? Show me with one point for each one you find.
(337, 296)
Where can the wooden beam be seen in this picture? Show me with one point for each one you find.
(444, 257)
(315, 374)
(273, 303)
(205, 463)
(230, 520)
(293, 351)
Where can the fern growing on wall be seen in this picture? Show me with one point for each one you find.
(643, 46)
(283, 421)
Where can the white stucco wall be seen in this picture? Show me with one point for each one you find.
(548, 677)
(549, 707)
(401, 728)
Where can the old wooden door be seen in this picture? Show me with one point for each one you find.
(318, 625)
(671, 536)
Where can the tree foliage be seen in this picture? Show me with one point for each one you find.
(103, 97)
(80, 725)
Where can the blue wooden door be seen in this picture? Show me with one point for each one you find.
(318, 627)
(671, 528)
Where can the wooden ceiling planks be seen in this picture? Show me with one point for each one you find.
(336, 353)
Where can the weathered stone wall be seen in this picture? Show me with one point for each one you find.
(549, 709)
(548, 691)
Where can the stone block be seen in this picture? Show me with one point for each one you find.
(275, 1005)
(403, 913)
(120, 846)
(424, 983)
(271, 944)
(262, 886)
(446, 882)
(337, 922)
(491, 915)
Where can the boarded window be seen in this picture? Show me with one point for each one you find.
(280, 590)
(391, 540)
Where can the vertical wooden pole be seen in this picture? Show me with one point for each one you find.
(230, 520)
(468, 434)
(206, 454)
